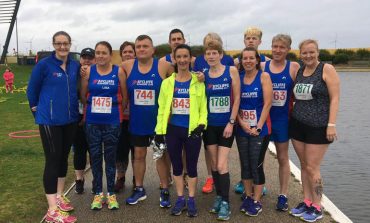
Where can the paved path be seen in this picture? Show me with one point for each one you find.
(149, 210)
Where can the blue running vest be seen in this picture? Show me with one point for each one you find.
(251, 103)
(143, 91)
(104, 101)
(282, 85)
(219, 101)
(180, 109)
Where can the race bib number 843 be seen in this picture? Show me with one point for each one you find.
(180, 106)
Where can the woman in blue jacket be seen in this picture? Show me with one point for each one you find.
(52, 97)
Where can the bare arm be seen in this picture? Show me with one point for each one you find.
(236, 100)
(84, 86)
(122, 83)
(294, 67)
(267, 101)
(332, 81)
(165, 68)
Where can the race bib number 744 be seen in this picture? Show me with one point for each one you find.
(144, 97)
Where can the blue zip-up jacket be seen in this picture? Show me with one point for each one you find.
(54, 91)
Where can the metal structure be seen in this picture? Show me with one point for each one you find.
(8, 14)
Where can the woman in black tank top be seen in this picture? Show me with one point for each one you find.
(312, 125)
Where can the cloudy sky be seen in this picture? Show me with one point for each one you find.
(340, 23)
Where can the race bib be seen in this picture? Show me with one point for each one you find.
(101, 105)
(144, 97)
(180, 106)
(80, 108)
(249, 116)
(219, 104)
(303, 91)
(279, 97)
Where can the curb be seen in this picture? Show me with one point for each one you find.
(328, 205)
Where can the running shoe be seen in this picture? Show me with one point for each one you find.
(192, 209)
(64, 204)
(98, 202)
(180, 205)
(164, 200)
(239, 187)
(119, 185)
(311, 215)
(282, 203)
(208, 186)
(216, 205)
(79, 187)
(246, 203)
(254, 209)
(138, 195)
(112, 202)
(224, 213)
(58, 216)
(299, 210)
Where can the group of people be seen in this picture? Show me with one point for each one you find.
(178, 101)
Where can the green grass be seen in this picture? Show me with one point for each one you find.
(22, 196)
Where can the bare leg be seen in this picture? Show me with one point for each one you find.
(140, 165)
(284, 167)
(299, 148)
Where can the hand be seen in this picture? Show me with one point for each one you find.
(83, 71)
(159, 139)
(200, 76)
(197, 131)
(254, 132)
(331, 133)
(228, 131)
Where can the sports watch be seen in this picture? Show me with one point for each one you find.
(232, 121)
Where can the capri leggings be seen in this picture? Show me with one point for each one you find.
(80, 149)
(56, 141)
(178, 138)
(124, 148)
(252, 151)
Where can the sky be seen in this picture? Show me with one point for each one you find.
(334, 23)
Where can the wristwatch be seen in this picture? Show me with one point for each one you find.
(232, 121)
(258, 130)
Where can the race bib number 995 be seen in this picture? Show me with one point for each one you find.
(249, 116)
(144, 97)
(101, 105)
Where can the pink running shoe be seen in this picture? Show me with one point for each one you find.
(58, 216)
(64, 204)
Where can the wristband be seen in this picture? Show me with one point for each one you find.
(331, 125)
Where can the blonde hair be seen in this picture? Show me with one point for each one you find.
(284, 38)
(308, 41)
(213, 45)
(212, 37)
(253, 31)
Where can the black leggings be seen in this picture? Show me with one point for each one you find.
(57, 141)
(80, 149)
(124, 148)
